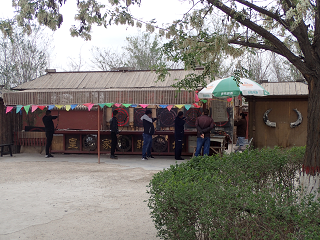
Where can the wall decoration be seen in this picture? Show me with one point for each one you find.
(166, 117)
(123, 116)
(159, 144)
(266, 119)
(124, 143)
(299, 120)
(191, 116)
(138, 113)
(89, 142)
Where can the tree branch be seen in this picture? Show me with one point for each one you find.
(282, 48)
(255, 45)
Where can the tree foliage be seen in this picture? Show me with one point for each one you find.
(22, 58)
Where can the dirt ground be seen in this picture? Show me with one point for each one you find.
(61, 199)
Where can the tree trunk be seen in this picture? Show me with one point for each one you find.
(312, 157)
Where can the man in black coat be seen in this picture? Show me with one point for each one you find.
(147, 134)
(49, 128)
(114, 133)
(178, 134)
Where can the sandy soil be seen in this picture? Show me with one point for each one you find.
(63, 200)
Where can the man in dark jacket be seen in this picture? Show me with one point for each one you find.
(241, 125)
(204, 124)
(114, 133)
(178, 134)
(147, 134)
(49, 128)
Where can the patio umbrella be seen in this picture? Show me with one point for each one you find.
(228, 87)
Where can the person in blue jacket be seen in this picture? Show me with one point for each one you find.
(147, 134)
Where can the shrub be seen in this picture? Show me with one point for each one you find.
(249, 195)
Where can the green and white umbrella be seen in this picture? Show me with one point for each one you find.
(228, 87)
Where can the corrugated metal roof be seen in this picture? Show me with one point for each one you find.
(286, 88)
(104, 80)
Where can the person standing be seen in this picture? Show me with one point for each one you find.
(49, 128)
(241, 130)
(147, 134)
(114, 133)
(204, 124)
(179, 134)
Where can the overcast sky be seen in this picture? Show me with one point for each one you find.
(66, 47)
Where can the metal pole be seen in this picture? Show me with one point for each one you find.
(98, 134)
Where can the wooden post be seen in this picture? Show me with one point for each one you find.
(98, 134)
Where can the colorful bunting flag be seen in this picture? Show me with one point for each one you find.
(102, 105)
(41, 107)
(179, 106)
(34, 107)
(187, 106)
(163, 106)
(239, 97)
(59, 106)
(134, 105)
(126, 105)
(8, 109)
(204, 101)
(26, 108)
(117, 104)
(169, 107)
(18, 108)
(196, 105)
(73, 106)
(229, 99)
(68, 107)
(109, 104)
(144, 105)
(88, 105)
(50, 107)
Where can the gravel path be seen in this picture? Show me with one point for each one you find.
(73, 200)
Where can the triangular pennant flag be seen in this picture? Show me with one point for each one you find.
(144, 105)
(229, 99)
(117, 104)
(126, 105)
(50, 107)
(239, 97)
(134, 105)
(8, 109)
(169, 107)
(68, 107)
(109, 104)
(18, 108)
(187, 106)
(59, 106)
(196, 98)
(163, 106)
(101, 105)
(196, 105)
(26, 108)
(90, 106)
(73, 106)
(204, 101)
(34, 107)
(41, 107)
(179, 106)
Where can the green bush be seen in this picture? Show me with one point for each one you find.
(249, 195)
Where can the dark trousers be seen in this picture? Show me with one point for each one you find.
(114, 142)
(178, 148)
(49, 136)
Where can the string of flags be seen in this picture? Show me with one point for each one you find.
(102, 105)
(33, 108)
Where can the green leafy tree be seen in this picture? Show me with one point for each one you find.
(289, 28)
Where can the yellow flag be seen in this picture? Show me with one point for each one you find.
(68, 107)
(58, 106)
(180, 106)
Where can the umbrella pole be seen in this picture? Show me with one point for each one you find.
(232, 124)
